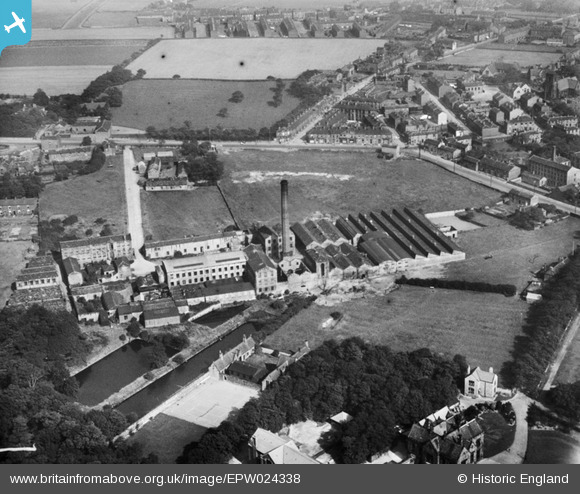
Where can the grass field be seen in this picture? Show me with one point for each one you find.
(516, 253)
(482, 57)
(332, 183)
(52, 80)
(144, 32)
(569, 371)
(85, 55)
(167, 436)
(249, 58)
(165, 103)
(481, 326)
(12, 260)
(53, 13)
(111, 19)
(98, 195)
(168, 215)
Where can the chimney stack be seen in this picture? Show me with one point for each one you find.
(554, 153)
(286, 248)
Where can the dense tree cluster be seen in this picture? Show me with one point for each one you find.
(117, 76)
(476, 286)
(17, 122)
(527, 219)
(278, 91)
(36, 389)
(378, 387)
(545, 324)
(97, 161)
(308, 94)
(565, 400)
(201, 165)
(12, 187)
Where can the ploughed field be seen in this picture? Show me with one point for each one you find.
(249, 58)
(167, 103)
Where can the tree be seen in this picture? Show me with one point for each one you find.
(176, 76)
(236, 97)
(223, 113)
(40, 98)
(134, 329)
(86, 141)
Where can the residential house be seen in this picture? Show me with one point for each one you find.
(480, 383)
(522, 199)
(265, 447)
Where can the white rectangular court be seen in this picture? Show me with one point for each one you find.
(210, 404)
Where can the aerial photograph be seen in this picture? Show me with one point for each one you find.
(290, 232)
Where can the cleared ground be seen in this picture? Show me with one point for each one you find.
(480, 326)
(210, 404)
(166, 437)
(52, 80)
(516, 253)
(168, 215)
(482, 57)
(166, 103)
(12, 260)
(249, 58)
(333, 183)
(59, 55)
(98, 195)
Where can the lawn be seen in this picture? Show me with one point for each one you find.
(333, 183)
(40, 54)
(481, 57)
(249, 58)
(98, 195)
(12, 261)
(52, 80)
(166, 437)
(480, 326)
(168, 215)
(516, 253)
(569, 371)
(166, 103)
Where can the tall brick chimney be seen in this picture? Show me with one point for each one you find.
(286, 247)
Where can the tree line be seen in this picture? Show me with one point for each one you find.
(543, 328)
(378, 387)
(12, 187)
(476, 286)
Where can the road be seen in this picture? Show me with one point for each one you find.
(141, 266)
(80, 16)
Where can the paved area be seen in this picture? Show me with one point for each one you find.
(516, 453)
(210, 404)
(141, 266)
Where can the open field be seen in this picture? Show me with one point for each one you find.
(12, 260)
(481, 326)
(249, 58)
(52, 80)
(124, 6)
(166, 437)
(111, 19)
(210, 404)
(516, 253)
(41, 55)
(168, 215)
(332, 183)
(287, 4)
(98, 195)
(54, 13)
(484, 56)
(166, 103)
(145, 32)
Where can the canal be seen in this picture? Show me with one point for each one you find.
(157, 392)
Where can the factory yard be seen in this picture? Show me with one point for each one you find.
(340, 183)
(170, 103)
(249, 58)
